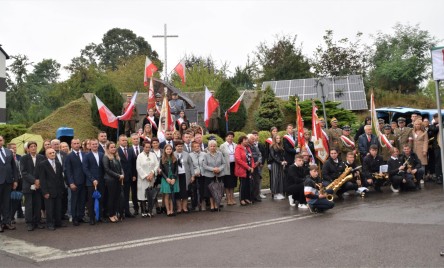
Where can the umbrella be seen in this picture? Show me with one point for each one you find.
(151, 195)
(217, 190)
(22, 139)
(96, 195)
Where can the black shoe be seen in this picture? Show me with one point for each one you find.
(257, 200)
(8, 227)
(20, 216)
(51, 228)
(39, 226)
(62, 225)
(129, 215)
(378, 189)
(158, 210)
(65, 218)
(92, 222)
(30, 228)
(136, 212)
(1, 228)
(104, 220)
(164, 210)
(75, 223)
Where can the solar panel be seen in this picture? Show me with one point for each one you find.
(349, 90)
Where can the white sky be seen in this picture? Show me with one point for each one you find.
(226, 30)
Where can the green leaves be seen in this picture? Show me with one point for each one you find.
(269, 114)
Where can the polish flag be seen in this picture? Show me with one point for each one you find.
(150, 69)
(318, 138)
(300, 125)
(129, 109)
(235, 107)
(211, 105)
(180, 70)
(107, 117)
(151, 97)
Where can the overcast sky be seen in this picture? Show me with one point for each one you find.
(227, 30)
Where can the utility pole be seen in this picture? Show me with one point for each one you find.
(165, 36)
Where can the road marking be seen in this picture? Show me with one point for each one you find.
(43, 253)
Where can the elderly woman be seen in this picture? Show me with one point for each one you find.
(213, 164)
(186, 174)
(113, 178)
(230, 180)
(244, 166)
(170, 184)
(147, 166)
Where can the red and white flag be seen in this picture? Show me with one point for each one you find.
(235, 107)
(211, 105)
(150, 69)
(151, 97)
(165, 116)
(107, 117)
(383, 140)
(180, 70)
(318, 138)
(300, 125)
(129, 109)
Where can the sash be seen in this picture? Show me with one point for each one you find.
(290, 140)
(152, 122)
(347, 142)
(269, 141)
(384, 141)
(179, 121)
(325, 134)
(312, 158)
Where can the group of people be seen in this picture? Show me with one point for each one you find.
(178, 168)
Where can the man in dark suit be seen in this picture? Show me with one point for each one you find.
(365, 141)
(31, 186)
(168, 139)
(60, 157)
(16, 207)
(290, 142)
(8, 181)
(126, 159)
(103, 139)
(137, 149)
(52, 184)
(93, 169)
(76, 181)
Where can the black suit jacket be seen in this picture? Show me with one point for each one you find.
(8, 169)
(91, 169)
(127, 164)
(29, 171)
(163, 143)
(51, 182)
(74, 169)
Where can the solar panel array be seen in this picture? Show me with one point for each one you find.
(349, 90)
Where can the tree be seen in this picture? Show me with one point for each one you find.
(227, 95)
(430, 90)
(401, 61)
(243, 78)
(109, 95)
(269, 114)
(200, 72)
(283, 60)
(340, 58)
(17, 99)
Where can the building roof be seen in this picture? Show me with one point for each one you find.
(349, 90)
(4, 52)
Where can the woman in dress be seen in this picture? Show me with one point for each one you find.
(113, 179)
(244, 166)
(213, 164)
(170, 184)
(230, 180)
(420, 142)
(277, 168)
(147, 166)
(268, 143)
(147, 134)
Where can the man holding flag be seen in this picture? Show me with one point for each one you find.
(132, 115)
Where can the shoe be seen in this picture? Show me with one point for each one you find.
(291, 201)
(280, 197)
(302, 206)
(378, 189)
(213, 210)
(248, 201)
(144, 215)
(136, 213)
(312, 210)
(75, 223)
(393, 189)
(92, 222)
(243, 203)
(1, 228)
(70, 218)
(51, 228)
(129, 215)
(346, 194)
(65, 217)
(113, 220)
(20, 216)
(262, 196)
(158, 210)
(62, 225)
(257, 200)
(8, 227)
(30, 228)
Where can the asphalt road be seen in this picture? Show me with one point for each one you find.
(387, 229)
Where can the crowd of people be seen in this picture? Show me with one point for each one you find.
(173, 172)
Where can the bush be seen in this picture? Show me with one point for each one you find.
(11, 131)
(237, 134)
(263, 136)
(269, 113)
(219, 140)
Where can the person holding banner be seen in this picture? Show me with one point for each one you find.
(130, 125)
(347, 143)
(385, 151)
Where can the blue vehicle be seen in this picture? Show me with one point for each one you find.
(390, 114)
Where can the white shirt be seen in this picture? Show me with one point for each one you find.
(2, 152)
(96, 156)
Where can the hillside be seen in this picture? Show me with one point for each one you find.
(76, 115)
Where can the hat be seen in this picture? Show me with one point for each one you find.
(387, 126)
(321, 119)
(416, 112)
(381, 121)
(334, 120)
(401, 119)
(346, 127)
(174, 94)
(129, 96)
(158, 95)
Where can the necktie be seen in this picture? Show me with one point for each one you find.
(125, 152)
(78, 155)
(368, 138)
(53, 165)
(3, 156)
(137, 150)
(3, 153)
(180, 160)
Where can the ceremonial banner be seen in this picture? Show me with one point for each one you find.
(180, 70)
(375, 124)
(235, 107)
(150, 69)
(106, 116)
(438, 63)
(211, 105)
(318, 138)
(129, 110)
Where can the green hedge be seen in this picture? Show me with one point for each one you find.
(11, 131)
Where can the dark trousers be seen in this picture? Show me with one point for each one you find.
(257, 183)
(245, 189)
(77, 203)
(53, 207)
(322, 204)
(91, 201)
(438, 166)
(399, 185)
(113, 187)
(134, 195)
(194, 194)
(348, 186)
(64, 207)
(297, 191)
(126, 192)
(5, 197)
(33, 205)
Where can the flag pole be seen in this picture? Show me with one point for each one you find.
(226, 122)
(438, 106)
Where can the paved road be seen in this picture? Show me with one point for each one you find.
(386, 229)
